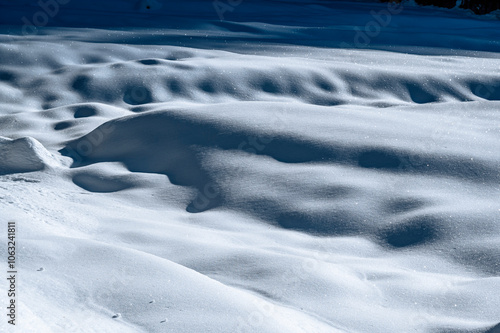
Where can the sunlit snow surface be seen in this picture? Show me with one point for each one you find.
(272, 172)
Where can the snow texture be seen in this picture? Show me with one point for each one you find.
(292, 166)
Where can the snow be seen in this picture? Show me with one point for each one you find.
(23, 155)
(275, 171)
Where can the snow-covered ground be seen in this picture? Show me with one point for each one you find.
(298, 166)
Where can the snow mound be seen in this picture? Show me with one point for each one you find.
(23, 155)
(219, 78)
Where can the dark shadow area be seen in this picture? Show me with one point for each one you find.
(328, 223)
(487, 259)
(494, 329)
(379, 159)
(169, 143)
(137, 95)
(235, 28)
(62, 125)
(8, 76)
(101, 184)
(177, 87)
(416, 231)
(81, 84)
(403, 205)
(458, 330)
(83, 111)
(149, 62)
(421, 95)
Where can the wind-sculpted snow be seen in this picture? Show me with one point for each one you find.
(221, 77)
(302, 172)
(253, 183)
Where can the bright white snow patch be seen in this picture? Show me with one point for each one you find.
(24, 155)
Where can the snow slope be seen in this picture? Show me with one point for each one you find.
(265, 173)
